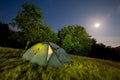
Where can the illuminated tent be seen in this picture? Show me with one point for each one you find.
(47, 53)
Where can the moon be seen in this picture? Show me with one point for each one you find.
(97, 25)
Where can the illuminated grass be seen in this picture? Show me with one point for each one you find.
(13, 67)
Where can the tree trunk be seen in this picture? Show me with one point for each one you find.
(27, 44)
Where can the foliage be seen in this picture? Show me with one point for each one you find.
(74, 39)
(13, 67)
(43, 33)
(99, 50)
(4, 33)
(29, 16)
(30, 21)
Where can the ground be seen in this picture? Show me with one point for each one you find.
(13, 67)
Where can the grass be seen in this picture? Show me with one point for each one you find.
(13, 67)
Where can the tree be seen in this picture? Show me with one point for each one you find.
(74, 39)
(30, 16)
(31, 21)
(4, 34)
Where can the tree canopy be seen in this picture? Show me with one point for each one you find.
(31, 21)
(75, 40)
(29, 16)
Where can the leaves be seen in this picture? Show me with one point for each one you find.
(30, 20)
(75, 40)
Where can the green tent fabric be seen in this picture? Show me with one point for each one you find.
(47, 53)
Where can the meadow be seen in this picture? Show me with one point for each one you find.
(13, 67)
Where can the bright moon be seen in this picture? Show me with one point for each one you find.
(97, 25)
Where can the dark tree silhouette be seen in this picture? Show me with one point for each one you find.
(105, 52)
(4, 34)
(5, 37)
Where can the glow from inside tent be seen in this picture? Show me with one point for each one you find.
(50, 51)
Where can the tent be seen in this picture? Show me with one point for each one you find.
(47, 53)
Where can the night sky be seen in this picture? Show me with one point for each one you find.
(60, 13)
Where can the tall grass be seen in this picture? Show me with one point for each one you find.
(13, 67)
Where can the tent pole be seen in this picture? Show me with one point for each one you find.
(54, 52)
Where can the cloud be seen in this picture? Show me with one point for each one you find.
(118, 9)
(14, 28)
(113, 12)
(109, 41)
